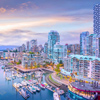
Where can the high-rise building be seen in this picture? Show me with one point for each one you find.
(23, 47)
(59, 52)
(83, 42)
(46, 48)
(53, 37)
(73, 49)
(91, 45)
(96, 19)
(40, 48)
(32, 45)
(27, 46)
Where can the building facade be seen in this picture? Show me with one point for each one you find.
(90, 45)
(28, 59)
(32, 45)
(83, 42)
(27, 46)
(73, 49)
(23, 47)
(88, 66)
(59, 52)
(46, 48)
(96, 19)
(53, 37)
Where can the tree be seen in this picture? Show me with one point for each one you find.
(70, 80)
(31, 66)
(20, 62)
(24, 51)
(35, 64)
(45, 65)
(38, 65)
(15, 50)
(31, 53)
(60, 62)
(26, 66)
(17, 63)
(57, 69)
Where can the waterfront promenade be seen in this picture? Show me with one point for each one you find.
(61, 81)
(31, 70)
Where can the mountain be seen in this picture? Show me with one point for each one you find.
(5, 47)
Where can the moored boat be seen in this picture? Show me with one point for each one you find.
(8, 78)
(56, 96)
(42, 86)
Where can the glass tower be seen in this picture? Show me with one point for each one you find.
(53, 37)
(96, 19)
(83, 42)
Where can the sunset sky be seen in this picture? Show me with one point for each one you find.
(23, 20)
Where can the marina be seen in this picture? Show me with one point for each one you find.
(25, 82)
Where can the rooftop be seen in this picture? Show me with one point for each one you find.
(87, 87)
(85, 57)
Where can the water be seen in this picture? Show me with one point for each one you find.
(8, 92)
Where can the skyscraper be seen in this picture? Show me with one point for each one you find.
(27, 46)
(53, 37)
(96, 19)
(23, 47)
(83, 42)
(32, 45)
(59, 52)
(46, 48)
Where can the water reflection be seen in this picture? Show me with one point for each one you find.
(8, 92)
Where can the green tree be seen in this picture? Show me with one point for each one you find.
(61, 62)
(20, 61)
(57, 69)
(38, 65)
(24, 51)
(31, 53)
(17, 63)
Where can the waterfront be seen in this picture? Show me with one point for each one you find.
(8, 92)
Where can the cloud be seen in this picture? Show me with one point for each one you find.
(32, 23)
(28, 5)
(12, 10)
(18, 37)
(2, 10)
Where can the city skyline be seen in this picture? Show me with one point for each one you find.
(34, 20)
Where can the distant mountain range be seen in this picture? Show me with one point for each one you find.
(5, 47)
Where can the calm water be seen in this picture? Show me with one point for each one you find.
(8, 92)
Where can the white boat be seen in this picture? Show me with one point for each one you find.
(8, 78)
(38, 74)
(24, 83)
(18, 75)
(37, 89)
(15, 85)
(24, 75)
(56, 96)
(34, 81)
(60, 92)
(19, 84)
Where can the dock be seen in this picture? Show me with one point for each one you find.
(29, 90)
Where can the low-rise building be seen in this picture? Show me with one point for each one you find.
(31, 59)
(88, 66)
